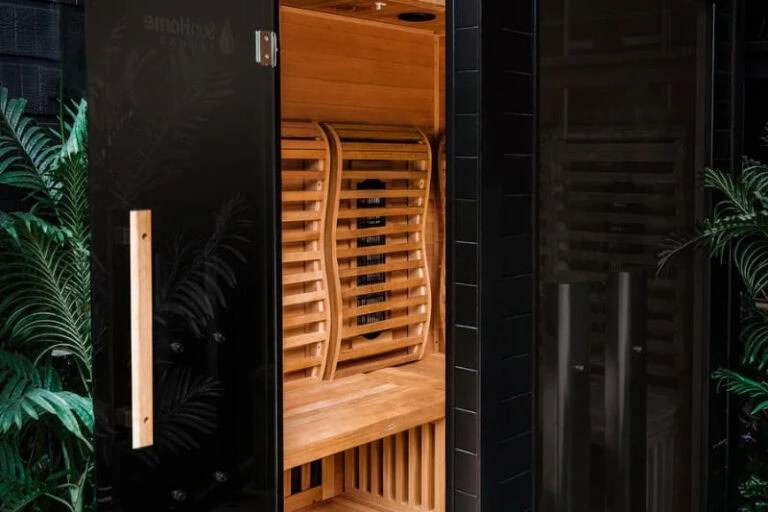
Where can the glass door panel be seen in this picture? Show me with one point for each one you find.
(183, 186)
(621, 122)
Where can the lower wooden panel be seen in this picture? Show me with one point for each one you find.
(401, 472)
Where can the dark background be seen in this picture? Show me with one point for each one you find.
(41, 42)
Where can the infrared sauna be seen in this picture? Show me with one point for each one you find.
(363, 256)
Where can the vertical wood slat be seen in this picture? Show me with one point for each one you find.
(413, 467)
(349, 469)
(388, 490)
(375, 457)
(363, 471)
(427, 467)
(440, 491)
(329, 477)
(140, 229)
(401, 469)
(286, 483)
(306, 476)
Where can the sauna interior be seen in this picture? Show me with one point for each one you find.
(363, 223)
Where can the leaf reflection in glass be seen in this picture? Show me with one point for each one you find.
(185, 410)
(192, 288)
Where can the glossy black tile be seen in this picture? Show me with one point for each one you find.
(467, 51)
(466, 179)
(517, 215)
(467, 14)
(517, 253)
(466, 434)
(466, 473)
(466, 220)
(464, 502)
(467, 135)
(465, 347)
(465, 256)
(465, 389)
(516, 336)
(467, 92)
(465, 302)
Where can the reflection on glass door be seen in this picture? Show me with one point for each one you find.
(619, 144)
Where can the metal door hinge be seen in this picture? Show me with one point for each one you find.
(266, 48)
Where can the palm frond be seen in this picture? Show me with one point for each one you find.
(27, 151)
(735, 382)
(44, 298)
(185, 410)
(24, 398)
(192, 287)
(20, 486)
(754, 336)
(74, 134)
(750, 257)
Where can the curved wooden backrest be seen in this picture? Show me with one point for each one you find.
(376, 251)
(443, 202)
(306, 311)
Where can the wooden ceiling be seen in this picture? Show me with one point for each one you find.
(383, 11)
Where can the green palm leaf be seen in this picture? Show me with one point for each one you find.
(25, 398)
(28, 150)
(735, 382)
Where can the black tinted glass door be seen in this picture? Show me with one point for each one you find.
(182, 155)
(622, 92)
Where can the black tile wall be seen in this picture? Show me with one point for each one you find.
(491, 148)
(36, 37)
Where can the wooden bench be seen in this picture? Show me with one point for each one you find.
(371, 435)
(379, 437)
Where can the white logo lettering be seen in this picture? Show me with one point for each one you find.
(187, 33)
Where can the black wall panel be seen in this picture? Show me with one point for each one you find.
(492, 70)
(726, 153)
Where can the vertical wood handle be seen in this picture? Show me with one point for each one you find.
(141, 328)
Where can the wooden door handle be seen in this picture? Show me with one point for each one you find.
(141, 328)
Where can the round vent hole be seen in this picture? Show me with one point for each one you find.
(416, 17)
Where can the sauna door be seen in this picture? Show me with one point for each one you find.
(620, 134)
(183, 144)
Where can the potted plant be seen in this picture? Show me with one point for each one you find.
(46, 412)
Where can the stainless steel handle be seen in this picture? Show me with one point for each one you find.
(573, 397)
(625, 393)
(142, 400)
(564, 388)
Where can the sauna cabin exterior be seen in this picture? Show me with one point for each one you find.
(388, 256)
